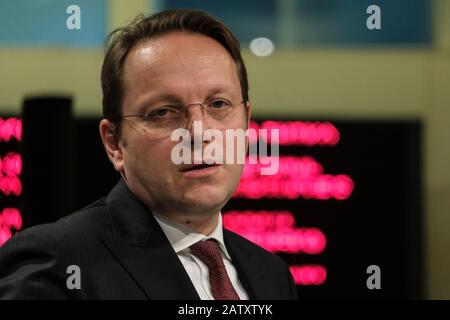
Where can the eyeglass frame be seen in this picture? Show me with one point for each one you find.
(185, 107)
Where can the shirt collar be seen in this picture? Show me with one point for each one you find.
(181, 237)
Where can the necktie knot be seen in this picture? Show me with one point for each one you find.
(209, 252)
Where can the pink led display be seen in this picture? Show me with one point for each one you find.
(10, 169)
(275, 231)
(298, 177)
(11, 164)
(300, 132)
(258, 220)
(289, 166)
(10, 128)
(309, 274)
(10, 186)
(10, 183)
(9, 218)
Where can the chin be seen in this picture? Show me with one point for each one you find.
(205, 199)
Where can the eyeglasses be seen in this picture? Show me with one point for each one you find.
(161, 121)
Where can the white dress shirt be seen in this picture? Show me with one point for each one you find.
(181, 238)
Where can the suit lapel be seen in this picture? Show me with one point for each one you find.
(155, 268)
(252, 276)
(142, 249)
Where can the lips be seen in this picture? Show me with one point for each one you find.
(194, 167)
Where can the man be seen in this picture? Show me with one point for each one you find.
(158, 234)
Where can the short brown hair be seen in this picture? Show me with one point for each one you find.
(122, 40)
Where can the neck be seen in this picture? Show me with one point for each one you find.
(204, 225)
(203, 222)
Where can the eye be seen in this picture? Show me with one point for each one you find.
(161, 113)
(219, 104)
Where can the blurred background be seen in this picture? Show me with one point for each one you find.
(374, 103)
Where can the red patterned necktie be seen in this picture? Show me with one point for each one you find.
(209, 252)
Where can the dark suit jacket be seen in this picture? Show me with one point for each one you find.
(122, 253)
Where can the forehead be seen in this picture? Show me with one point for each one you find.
(184, 64)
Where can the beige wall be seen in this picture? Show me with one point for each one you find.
(356, 83)
(437, 177)
(382, 83)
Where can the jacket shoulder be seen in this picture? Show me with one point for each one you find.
(85, 223)
(33, 262)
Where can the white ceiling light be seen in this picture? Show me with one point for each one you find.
(261, 47)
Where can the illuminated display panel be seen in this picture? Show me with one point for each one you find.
(10, 182)
(346, 196)
(298, 177)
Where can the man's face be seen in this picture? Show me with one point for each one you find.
(177, 68)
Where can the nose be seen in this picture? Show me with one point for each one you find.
(195, 113)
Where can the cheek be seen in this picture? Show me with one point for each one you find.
(148, 156)
(235, 171)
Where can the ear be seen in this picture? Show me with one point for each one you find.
(112, 144)
(248, 112)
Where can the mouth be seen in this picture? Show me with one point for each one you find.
(198, 170)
